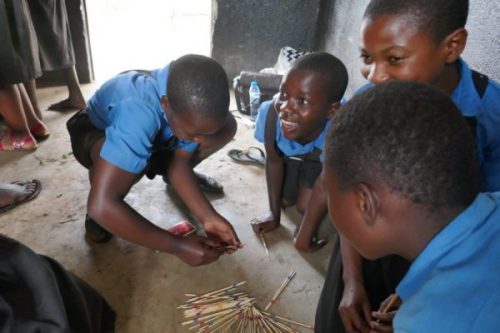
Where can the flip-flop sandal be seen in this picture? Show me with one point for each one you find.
(16, 202)
(209, 184)
(251, 155)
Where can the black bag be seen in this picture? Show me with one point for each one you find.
(269, 85)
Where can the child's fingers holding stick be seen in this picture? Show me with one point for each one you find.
(386, 313)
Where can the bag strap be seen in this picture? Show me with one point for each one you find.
(270, 129)
(480, 81)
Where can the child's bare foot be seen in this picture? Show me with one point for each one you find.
(265, 223)
(40, 131)
(68, 104)
(12, 142)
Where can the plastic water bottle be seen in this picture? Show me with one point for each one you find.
(254, 93)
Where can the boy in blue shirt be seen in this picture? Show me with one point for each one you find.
(293, 128)
(410, 185)
(410, 40)
(159, 122)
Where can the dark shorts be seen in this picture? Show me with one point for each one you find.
(299, 174)
(84, 134)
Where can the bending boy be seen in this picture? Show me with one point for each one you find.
(159, 122)
(410, 185)
(293, 128)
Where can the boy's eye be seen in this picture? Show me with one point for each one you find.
(282, 96)
(366, 58)
(302, 101)
(394, 60)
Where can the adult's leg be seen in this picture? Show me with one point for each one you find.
(30, 87)
(35, 124)
(75, 99)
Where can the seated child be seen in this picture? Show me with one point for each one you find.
(410, 185)
(37, 294)
(422, 41)
(293, 128)
(160, 122)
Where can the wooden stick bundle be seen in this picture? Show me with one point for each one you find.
(226, 310)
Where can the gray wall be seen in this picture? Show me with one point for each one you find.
(248, 34)
(340, 21)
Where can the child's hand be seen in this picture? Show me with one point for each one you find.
(385, 314)
(354, 308)
(196, 250)
(265, 223)
(220, 229)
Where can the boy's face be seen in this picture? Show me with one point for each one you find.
(345, 209)
(190, 127)
(392, 48)
(303, 105)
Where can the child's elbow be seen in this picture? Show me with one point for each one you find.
(300, 246)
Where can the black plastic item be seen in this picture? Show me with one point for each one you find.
(269, 85)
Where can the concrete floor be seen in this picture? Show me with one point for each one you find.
(143, 286)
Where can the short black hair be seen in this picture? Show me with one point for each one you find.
(199, 85)
(409, 136)
(329, 66)
(439, 18)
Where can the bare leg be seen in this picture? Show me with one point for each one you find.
(75, 100)
(30, 87)
(35, 124)
(17, 136)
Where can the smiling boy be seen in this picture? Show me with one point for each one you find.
(292, 128)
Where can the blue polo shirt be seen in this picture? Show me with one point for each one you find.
(453, 285)
(128, 109)
(288, 147)
(486, 111)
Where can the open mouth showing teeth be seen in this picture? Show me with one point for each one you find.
(288, 125)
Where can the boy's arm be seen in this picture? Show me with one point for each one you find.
(275, 170)
(106, 205)
(314, 214)
(354, 308)
(183, 179)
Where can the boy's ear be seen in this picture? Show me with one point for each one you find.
(369, 204)
(455, 44)
(164, 102)
(334, 107)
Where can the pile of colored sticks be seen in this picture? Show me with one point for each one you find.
(226, 310)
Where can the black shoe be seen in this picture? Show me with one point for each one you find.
(95, 232)
(207, 183)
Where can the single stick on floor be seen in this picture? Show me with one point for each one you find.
(280, 290)
(263, 239)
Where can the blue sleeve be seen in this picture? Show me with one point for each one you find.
(129, 138)
(188, 146)
(260, 122)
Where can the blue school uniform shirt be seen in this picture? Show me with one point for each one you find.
(453, 285)
(289, 148)
(128, 108)
(486, 111)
